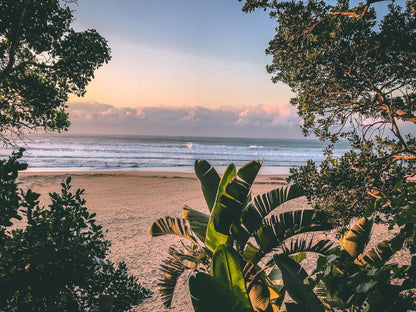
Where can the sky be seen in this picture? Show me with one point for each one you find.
(182, 67)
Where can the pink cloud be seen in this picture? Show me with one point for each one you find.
(261, 120)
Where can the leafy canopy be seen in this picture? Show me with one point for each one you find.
(345, 65)
(353, 76)
(42, 60)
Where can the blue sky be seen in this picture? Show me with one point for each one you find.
(178, 67)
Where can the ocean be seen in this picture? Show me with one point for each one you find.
(64, 152)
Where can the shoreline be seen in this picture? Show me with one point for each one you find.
(265, 170)
(112, 172)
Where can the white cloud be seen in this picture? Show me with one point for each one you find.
(261, 120)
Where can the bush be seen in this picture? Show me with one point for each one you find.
(58, 260)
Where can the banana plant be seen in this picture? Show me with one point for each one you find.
(231, 246)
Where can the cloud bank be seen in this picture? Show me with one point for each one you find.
(262, 120)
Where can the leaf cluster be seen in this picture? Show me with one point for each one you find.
(354, 279)
(347, 68)
(57, 261)
(42, 60)
(230, 257)
(343, 187)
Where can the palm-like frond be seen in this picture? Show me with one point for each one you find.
(175, 226)
(252, 216)
(306, 244)
(172, 268)
(280, 227)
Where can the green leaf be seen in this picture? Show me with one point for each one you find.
(209, 179)
(370, 208)
(197, 220)
(208, 294)
(306, 244)
(175, 226)
(263, 204)
(249, 171)
(213, 238)
(235, 198)
(299, 257)
(293, 278)
(227, 267)
(105, 303)
(278, 228)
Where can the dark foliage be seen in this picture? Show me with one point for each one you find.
(42, 60)
(353, 76)
(57, 261)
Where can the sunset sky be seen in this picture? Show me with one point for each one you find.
(182, 67)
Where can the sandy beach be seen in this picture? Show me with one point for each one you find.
(127, 203)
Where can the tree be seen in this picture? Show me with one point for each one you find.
(57, 259)
(354, 76)
(42, 60)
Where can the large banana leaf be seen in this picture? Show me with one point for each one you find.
(355, 240)
(293, 277)
(252, 217)
(280, 227)
(234, 199)
(208, 294)
(175, 226)
(197, 220)
(226, 266)
(209, 179)
(214, 238)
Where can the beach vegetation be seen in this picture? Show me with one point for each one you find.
(57, 258)
(351, 67)
(42, 60)
(229, 257)
(354, 278)
(252, 258)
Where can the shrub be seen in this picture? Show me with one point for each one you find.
(57, 261)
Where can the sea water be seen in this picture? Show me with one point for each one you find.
(165, 153)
